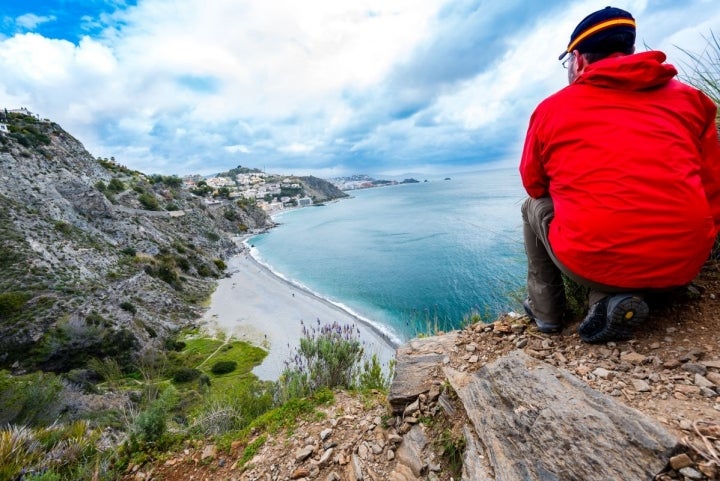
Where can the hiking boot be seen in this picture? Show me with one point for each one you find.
(613, 318)
(595, 322)
(543, 326)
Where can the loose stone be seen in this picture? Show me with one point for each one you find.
(603, 373)
(680, 461)
(694, 368)
(691, 473)
(641, 385)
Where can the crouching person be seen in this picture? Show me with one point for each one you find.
(622, 169)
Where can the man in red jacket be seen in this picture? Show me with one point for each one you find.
(623, 172)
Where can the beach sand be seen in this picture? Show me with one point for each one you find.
(255, 305)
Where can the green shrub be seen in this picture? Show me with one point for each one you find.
(186, 374)
(27, 135)
(116, 185)
(128, 306)
(220, 264)
(223, 367)
(58, 452)
(150, 425)
(30, 399)
(372, 375)
(328, 356)
(205, 271)
(70, 346)
(18, 449)
(12, 302)
(212, 236)
(172, 344)
(64, 227)
(183, 263)
(149, 201)
(233, 408)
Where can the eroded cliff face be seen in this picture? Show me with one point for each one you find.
(96, 259)
(320, 190)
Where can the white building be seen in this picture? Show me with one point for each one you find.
(217, 182)
(23, 111)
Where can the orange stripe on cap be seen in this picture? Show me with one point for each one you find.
(598, 27)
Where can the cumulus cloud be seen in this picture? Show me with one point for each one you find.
(182, 86)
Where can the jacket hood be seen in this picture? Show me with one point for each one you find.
(641, 71)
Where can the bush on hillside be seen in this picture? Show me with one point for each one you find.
(186, 374)
(223, 367)
(31, 399)
(13, 302)
(329, 356)
(116, 185)
(149, 201)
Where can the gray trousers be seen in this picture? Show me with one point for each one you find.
(544, 279)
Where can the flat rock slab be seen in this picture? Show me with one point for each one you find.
(416, 360)
(538, 422)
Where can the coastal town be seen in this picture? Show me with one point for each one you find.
(270, 192)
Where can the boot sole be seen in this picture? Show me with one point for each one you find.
(622, 320)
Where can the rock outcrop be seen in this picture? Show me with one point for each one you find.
(91, 251)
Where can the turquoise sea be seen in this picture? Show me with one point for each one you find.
(409, 258)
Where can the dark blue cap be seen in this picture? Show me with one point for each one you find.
(596, 32)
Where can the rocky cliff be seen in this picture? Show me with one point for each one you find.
(320, 190)
(97, 258)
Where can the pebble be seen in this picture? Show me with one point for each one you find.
(680, 461)
(686, 425)
(702, 381)
(303, 453)
(641, 385)
(691, 473)
(603, 373)
(707, 392)
(714, 364)
(687, 389)
(713, 377)
(325, 458)
(694, 368)
(632, 357)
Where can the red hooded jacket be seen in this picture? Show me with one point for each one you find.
(631, 158)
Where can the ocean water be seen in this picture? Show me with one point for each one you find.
(410, 258)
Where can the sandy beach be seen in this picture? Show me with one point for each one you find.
(255, 305)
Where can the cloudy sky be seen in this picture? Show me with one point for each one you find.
(327, 87)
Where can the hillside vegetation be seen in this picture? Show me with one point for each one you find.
(106, 271)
